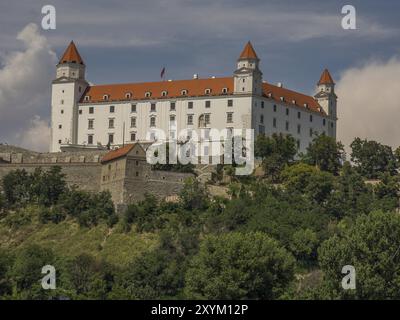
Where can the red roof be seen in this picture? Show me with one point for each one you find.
(281, 94)
(194, 88)
(171, 89)
(248, 52)
(326, 78)
(71, 54)
(118, 153)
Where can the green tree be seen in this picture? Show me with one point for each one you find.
(193, 195)
(371, 245)
(5, 266)
(239, 266)
(325, 153)
(372, 158)
(276, 152)
(304, 245)
(305, 179)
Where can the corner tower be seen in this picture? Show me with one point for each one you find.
(67, 90)
(327, 99)
(247, 76)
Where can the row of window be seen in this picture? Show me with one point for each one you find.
(204, 119)
(153, 106)
(287, 127)
(148, 94)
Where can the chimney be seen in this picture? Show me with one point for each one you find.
(195, 76)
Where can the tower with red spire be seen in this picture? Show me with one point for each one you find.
(327, 99)
(67, 90)
(248, 77)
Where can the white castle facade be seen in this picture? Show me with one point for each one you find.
(117, 114)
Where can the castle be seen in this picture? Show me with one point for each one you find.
(86, 115)
(104, 131)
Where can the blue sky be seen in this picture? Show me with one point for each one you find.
(130, 41)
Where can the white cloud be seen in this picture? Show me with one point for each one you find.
(25, 79)
(369, 102)
(36, 137)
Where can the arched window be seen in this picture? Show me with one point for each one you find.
(164, 93)
(147, 94)
(224, 90)
(87, 98)
(202, 121)
(184, 92)
(106, 97)
(207, 91)
(128, 95)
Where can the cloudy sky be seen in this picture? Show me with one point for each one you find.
(129, 41)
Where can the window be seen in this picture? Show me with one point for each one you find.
(133, 122)
(105, 97)
(324, 122)
(147, 94)
(190, 105)
(91, 110)
(59, 126)
(172, 106)
(128, 95)
(62, 101)
(59, 141)
(298, 144)
(274, 107)
(137, 173)
(311, 118)
(80, 111)
(287, 111)
(184, 92)
(298, 129)
(87, 98)
(331, 124)
(153, 107)
(112, 109)
(190, 119)
(287, 126)
(62, 111)
(262, 118)
(208, 104)
(230, 103)
(274, 123)
(224, 90)
(152, 121)
(111, 123)
(133, 136)
(262, 104)
(261, 129)
(311, 132)
(207, 91)
(133, 107)
(164, 93)
(90, 124)
(172, 118)
(298, 115)
(229, 117)
(90, 139)
(207, 118)
(110, 138)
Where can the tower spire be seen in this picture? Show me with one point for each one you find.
(71, 55)
(248, 52)
(326, 78)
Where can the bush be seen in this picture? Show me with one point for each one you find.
(239, 266)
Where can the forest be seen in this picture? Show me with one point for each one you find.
(285, 234)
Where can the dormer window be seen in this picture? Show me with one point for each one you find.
(224, 90)
(164, 93)
(306, 105)
(184, 92)
(294, 101)
(128, 95)
(106, 97)
(270, 95)
(87, 98)
(207, 91)
(147, 94)
(282, 98)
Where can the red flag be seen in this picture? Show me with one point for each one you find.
(162, 73)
